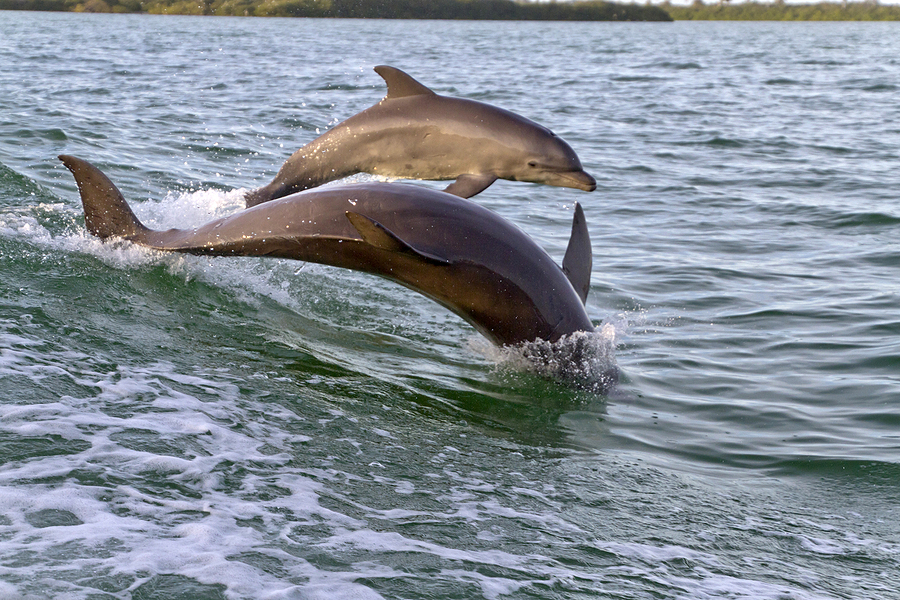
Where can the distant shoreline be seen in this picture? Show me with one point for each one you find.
(867, 10)
(504, 10)
(498, 10)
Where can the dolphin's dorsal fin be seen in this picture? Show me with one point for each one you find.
(399, 84)
(377, 235)
(106, 213)
(578, 260)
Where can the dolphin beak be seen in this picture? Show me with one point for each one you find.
(574, 179)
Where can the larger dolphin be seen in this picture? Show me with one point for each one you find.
(414, 133)
(459, 254)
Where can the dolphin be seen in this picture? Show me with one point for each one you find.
(459, 254)
(414, 133)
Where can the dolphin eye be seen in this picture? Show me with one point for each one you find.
(532, 164)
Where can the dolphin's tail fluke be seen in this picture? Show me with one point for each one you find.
(106, 213)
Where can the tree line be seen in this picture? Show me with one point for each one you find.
(584, 10)
(869, 10)
(580, 10)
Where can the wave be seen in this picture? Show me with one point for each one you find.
(836, 219)
(14, 187)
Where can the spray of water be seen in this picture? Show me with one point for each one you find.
(584, 359)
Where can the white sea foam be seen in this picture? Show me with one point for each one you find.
(129, 528)
(184, 210)
(584, 359)
(23, 226)
(491, 587)
(713, 586)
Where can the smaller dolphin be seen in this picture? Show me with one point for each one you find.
(459, 254)
(414, 133)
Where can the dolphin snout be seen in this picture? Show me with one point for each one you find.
(579, 180)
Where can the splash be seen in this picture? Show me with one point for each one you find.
(584, 359)
(189, 209)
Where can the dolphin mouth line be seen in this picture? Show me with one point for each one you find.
(578, 179)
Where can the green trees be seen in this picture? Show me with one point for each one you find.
(781, 11)
(585, 10)
(579, 10)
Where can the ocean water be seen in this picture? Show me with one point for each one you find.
(188, 427)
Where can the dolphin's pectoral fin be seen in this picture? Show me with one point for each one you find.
(399, 84)
(377, 235)
(578, 260)
(467, 184)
